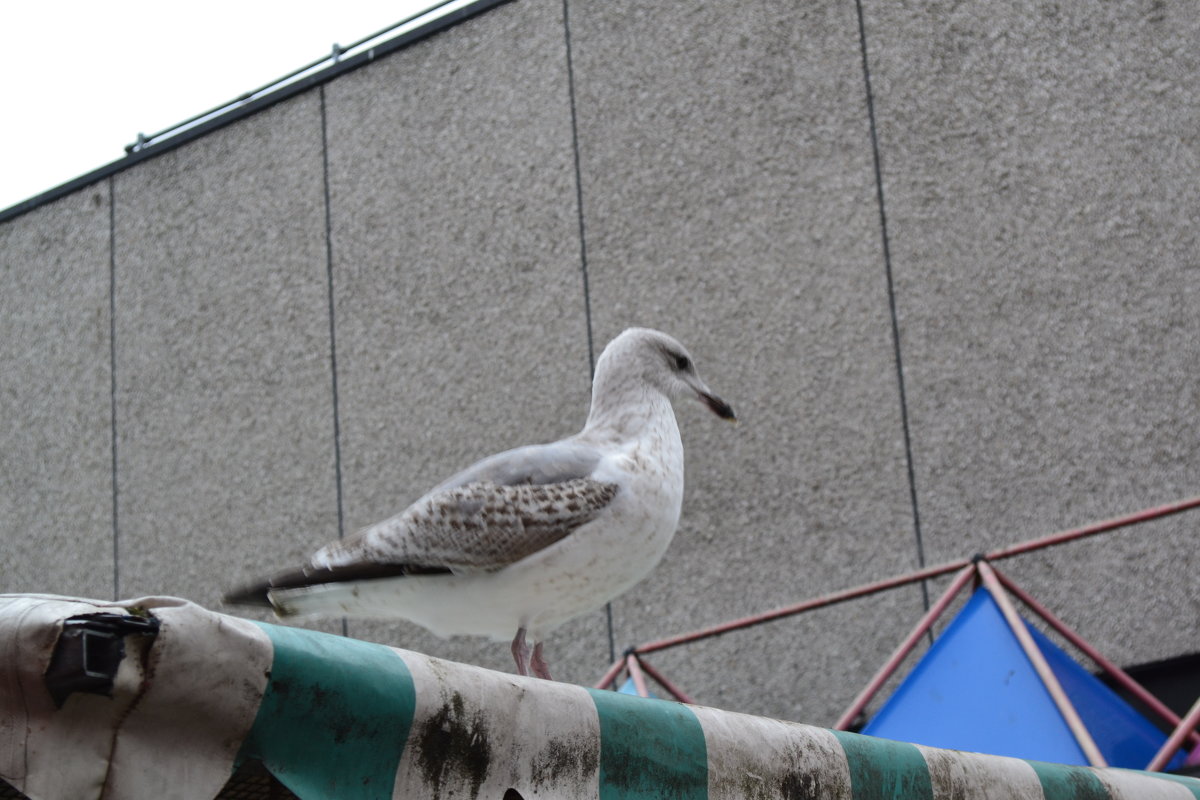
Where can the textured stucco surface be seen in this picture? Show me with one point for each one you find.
(55, 388)
(224, 399)
(1039, 166)
(461, 327)
(1038, 169)
(734, 204)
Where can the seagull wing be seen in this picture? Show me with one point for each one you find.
(490, 515)
(478, 526)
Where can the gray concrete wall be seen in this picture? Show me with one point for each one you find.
(1040, 173)
(324, 308)
(734, 204)
(56, 466)
(462, 328)
(224, 402)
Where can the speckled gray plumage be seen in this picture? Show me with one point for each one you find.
(479, 526)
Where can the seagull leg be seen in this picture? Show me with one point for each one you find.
(538, 663)
(520, 652)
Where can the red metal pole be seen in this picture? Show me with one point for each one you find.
(611, 675)
(1119, 675)
(922, 574)
(635, 672)
(662, 681)
(905, 648)
(1093, 528)
(806, 605)
(1049, 680)
(1189, 723)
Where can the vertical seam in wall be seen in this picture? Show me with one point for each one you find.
(112, 378)
(333, 370)
(583, 262)
(891, 294)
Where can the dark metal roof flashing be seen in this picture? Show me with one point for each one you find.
(290, 85)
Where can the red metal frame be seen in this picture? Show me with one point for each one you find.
(906, 646)
(610, 677)
(997, 584)
(1065, 707)
(637, 667)
(1119, 675)
(662, 681)
(1061, 537)
(635, 672)
(1175, 740)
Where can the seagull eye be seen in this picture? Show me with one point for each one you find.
(682, 363)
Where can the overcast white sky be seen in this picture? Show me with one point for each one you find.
(82, 78)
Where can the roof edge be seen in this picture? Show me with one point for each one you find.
(240, 110)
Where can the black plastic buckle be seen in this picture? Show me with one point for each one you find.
(90, 650)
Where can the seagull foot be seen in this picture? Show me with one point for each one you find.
(520, 652)
(538, 663)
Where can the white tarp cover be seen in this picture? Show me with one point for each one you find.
(179, 711)
(332, 717)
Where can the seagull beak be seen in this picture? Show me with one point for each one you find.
(718, 406)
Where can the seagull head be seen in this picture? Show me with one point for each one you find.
(660, 362)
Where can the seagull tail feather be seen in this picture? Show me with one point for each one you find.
(319, 591)
(254, 594)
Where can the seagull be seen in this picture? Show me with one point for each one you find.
(529, 538)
